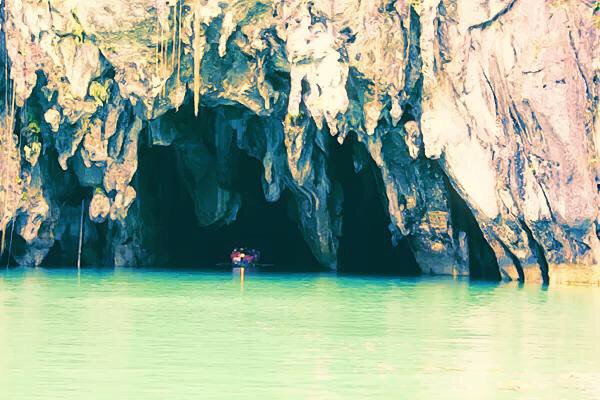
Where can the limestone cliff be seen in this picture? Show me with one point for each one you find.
(480, 118)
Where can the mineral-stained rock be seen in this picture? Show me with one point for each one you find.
(413, 139)
(99, 206)
(212, 203)
(512, 116)
(481, 119)
(52, 117)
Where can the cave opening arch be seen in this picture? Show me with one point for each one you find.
(366, 246)
(257, 223)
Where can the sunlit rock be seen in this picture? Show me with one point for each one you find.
(99, 206)
(484, 140)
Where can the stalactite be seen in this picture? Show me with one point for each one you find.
(173, 37)
(158, 49)
(156, 59)
(162, 48)
(180, 27)
(169, 24)
(163, 59)
(198, 50)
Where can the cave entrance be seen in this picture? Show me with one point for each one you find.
(262, 225)
(366, 245)
(483, 264)
(259, 224)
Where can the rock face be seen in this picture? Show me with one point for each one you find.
(481, 122)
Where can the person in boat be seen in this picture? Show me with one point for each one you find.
(243, 257)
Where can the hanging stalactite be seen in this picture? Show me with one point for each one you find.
(169, 27)
(198, 49)
(179, 31)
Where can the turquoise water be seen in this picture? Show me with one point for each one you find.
(130, 334)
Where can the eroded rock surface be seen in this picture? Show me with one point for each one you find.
(480, 119)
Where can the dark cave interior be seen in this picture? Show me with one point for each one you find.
(366, 244)
(175, 238)
(482, 260)
(259, 224)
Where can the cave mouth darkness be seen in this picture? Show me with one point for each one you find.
(176, 237)
(365, 245)
(258, 224)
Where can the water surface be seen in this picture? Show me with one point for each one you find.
(132, 334)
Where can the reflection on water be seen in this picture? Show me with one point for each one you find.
(127, 334)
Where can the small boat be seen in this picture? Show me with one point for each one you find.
(247, 259)
(244, 257)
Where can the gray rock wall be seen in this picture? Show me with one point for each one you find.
(481, 119)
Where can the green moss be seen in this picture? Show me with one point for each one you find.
(254, 13)
(78, 31)
(142, 33)
(34, 127)
(33, 150)
(99, 92)
(36, 147)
